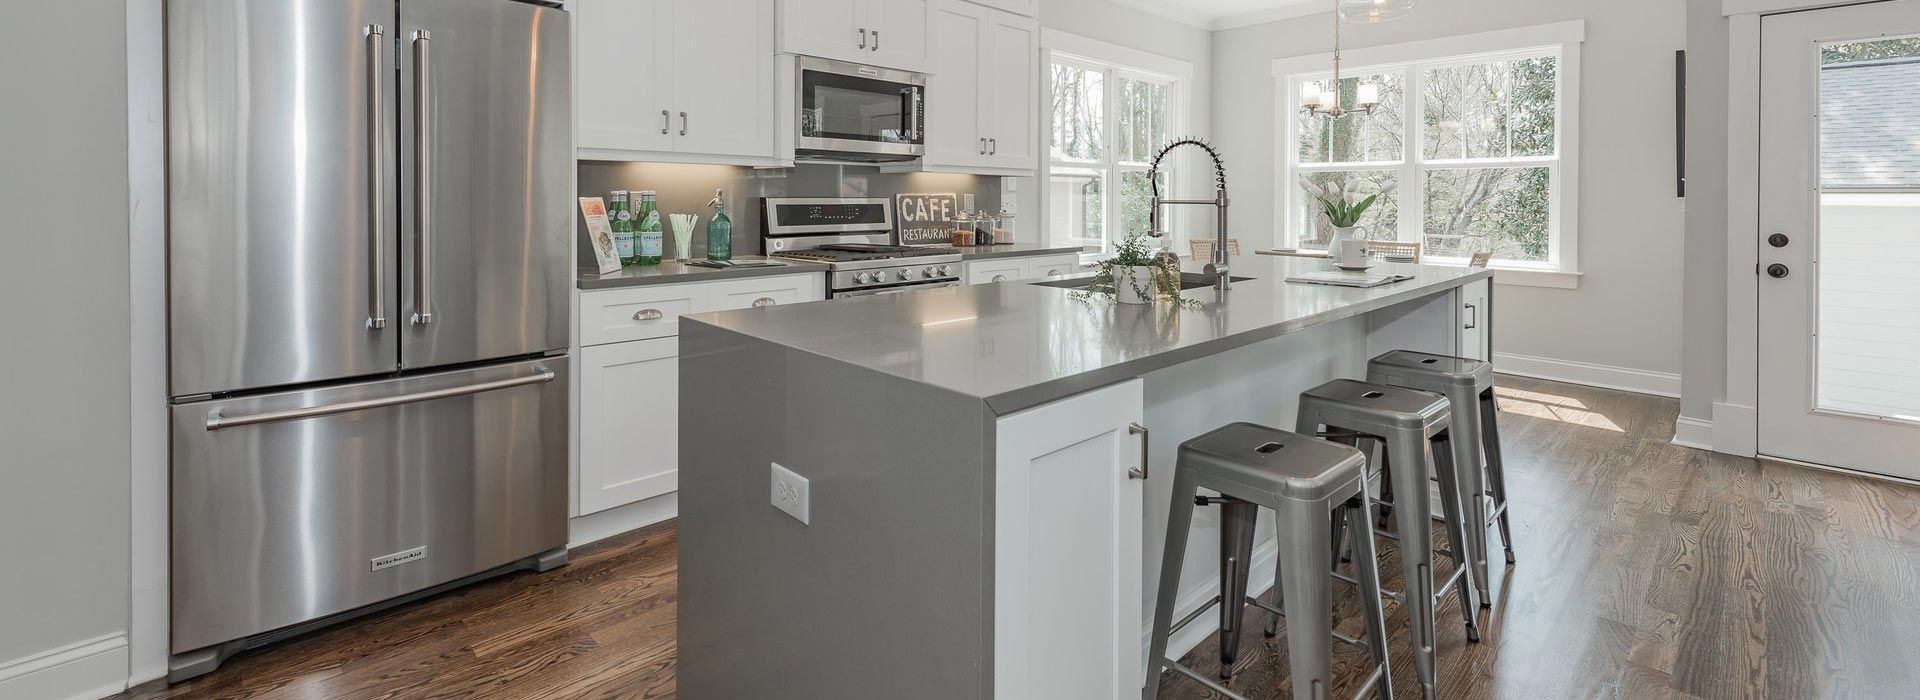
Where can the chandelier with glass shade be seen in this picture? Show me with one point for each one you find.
(1323, 99)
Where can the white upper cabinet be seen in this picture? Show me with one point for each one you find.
(651, 83)
(1025, 8)
(886, 33)
(982, 113)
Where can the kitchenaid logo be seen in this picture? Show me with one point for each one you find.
(398, 558)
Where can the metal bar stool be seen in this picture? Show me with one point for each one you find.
(1468, 386)
(1413, 427)
(1302, 480)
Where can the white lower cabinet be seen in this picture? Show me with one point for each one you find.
(998, 270)
(1053, 266)
(629, 379)
(1474, 321)
(1067, 548)
(629, 422)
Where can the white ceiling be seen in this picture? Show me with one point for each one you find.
(1228, 14)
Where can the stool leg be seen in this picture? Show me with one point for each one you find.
(1366, 569)
(1179, 528)
(1309, 603)
(1236, 548)
(1386, 484)
(1496, 473)
(1414, 518)
(1451, 498)
(1467, 453)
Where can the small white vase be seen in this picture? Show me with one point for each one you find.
(1129, 282)
(1340, 233)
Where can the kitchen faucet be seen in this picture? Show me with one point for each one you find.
(1218, 266)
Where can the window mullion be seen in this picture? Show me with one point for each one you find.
(1412, 185)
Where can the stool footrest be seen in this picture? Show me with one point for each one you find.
(1182, 624)
(1379, 674)
(1203, 679)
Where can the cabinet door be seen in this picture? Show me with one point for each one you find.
(990, 271)
(723, 89)
(623, 80)
(1053, 266)
(1475, 317)
(1009, 117)
(899, 33)
(954, 132)
(1067, 548)
(825, 28)
(629, 422)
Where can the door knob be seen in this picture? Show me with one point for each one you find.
(1778, 240)
(1777, 271)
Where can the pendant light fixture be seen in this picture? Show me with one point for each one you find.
(1375, 11)
(1324, 99)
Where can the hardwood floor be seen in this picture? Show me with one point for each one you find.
(1646, 571)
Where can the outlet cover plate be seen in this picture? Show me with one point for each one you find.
(790, 494)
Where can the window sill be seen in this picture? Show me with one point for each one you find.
(1523, 277)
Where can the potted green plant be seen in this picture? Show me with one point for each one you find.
(1343, 206)
(1136, 275)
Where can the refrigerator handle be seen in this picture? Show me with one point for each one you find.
(422, 183)
(216, 421)
(376, 166)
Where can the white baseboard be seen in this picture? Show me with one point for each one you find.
(1736, 429)
(594, 527)
(87, 670)
(1693, 432)
(1638, 381)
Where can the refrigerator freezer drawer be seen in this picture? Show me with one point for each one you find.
(295, 506)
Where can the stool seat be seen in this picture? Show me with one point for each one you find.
(1349, 401)
(1255, 460)
(1420, 370)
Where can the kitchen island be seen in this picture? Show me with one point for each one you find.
(982, 515)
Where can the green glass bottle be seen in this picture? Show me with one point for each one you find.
(719, 230)
(648, 240)
(622, 215)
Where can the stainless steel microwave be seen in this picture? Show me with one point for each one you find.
(847, 112)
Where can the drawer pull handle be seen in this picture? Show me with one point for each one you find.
(763, 302)
(999, 278)
(1053, 273)
(648, 315)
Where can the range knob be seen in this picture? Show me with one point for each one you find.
(932, 272)
(946, 270)
(860, 278)
(905, 275)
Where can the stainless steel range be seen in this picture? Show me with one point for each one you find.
(855, 237)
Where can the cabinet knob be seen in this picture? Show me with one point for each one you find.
(1777, 271)
(999, 278)
(1053, 273)
(764, 302)
(648, 315)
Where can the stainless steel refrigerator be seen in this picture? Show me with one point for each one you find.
(369, 271)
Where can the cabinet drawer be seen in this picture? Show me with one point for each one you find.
(620, 315)
(768, 291)
(990, 271)
(1053, 266)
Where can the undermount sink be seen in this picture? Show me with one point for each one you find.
(1188, 280)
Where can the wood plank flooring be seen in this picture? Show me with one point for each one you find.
(1647, 571)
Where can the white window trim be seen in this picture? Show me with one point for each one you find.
(1564, 37)
(1123, 62)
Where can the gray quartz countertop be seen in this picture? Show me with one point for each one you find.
(1016, 344)
(1013, 250)
(676, 272)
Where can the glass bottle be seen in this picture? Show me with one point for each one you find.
(622, 217)
(719, 230)
(648, 239)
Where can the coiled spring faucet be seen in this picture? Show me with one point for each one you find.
(1218, 266)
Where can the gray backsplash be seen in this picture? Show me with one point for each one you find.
(685, 189)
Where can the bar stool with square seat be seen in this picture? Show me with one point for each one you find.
(1414, 429)
(1303, 480)
(1468, 386)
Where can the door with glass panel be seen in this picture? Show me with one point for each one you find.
(1839, 340)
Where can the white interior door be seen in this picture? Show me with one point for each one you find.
(1839, 342)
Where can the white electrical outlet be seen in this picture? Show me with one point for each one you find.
(790, 494)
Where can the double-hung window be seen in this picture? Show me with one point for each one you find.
(1107, 119)
(1470, 153)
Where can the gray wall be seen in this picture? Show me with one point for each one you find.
(686, 189)
(65, 424)
(1626, 312)
(1703, 365)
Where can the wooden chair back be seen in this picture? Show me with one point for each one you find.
(1480, 259)
(1397, 249)
(1203, 249)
